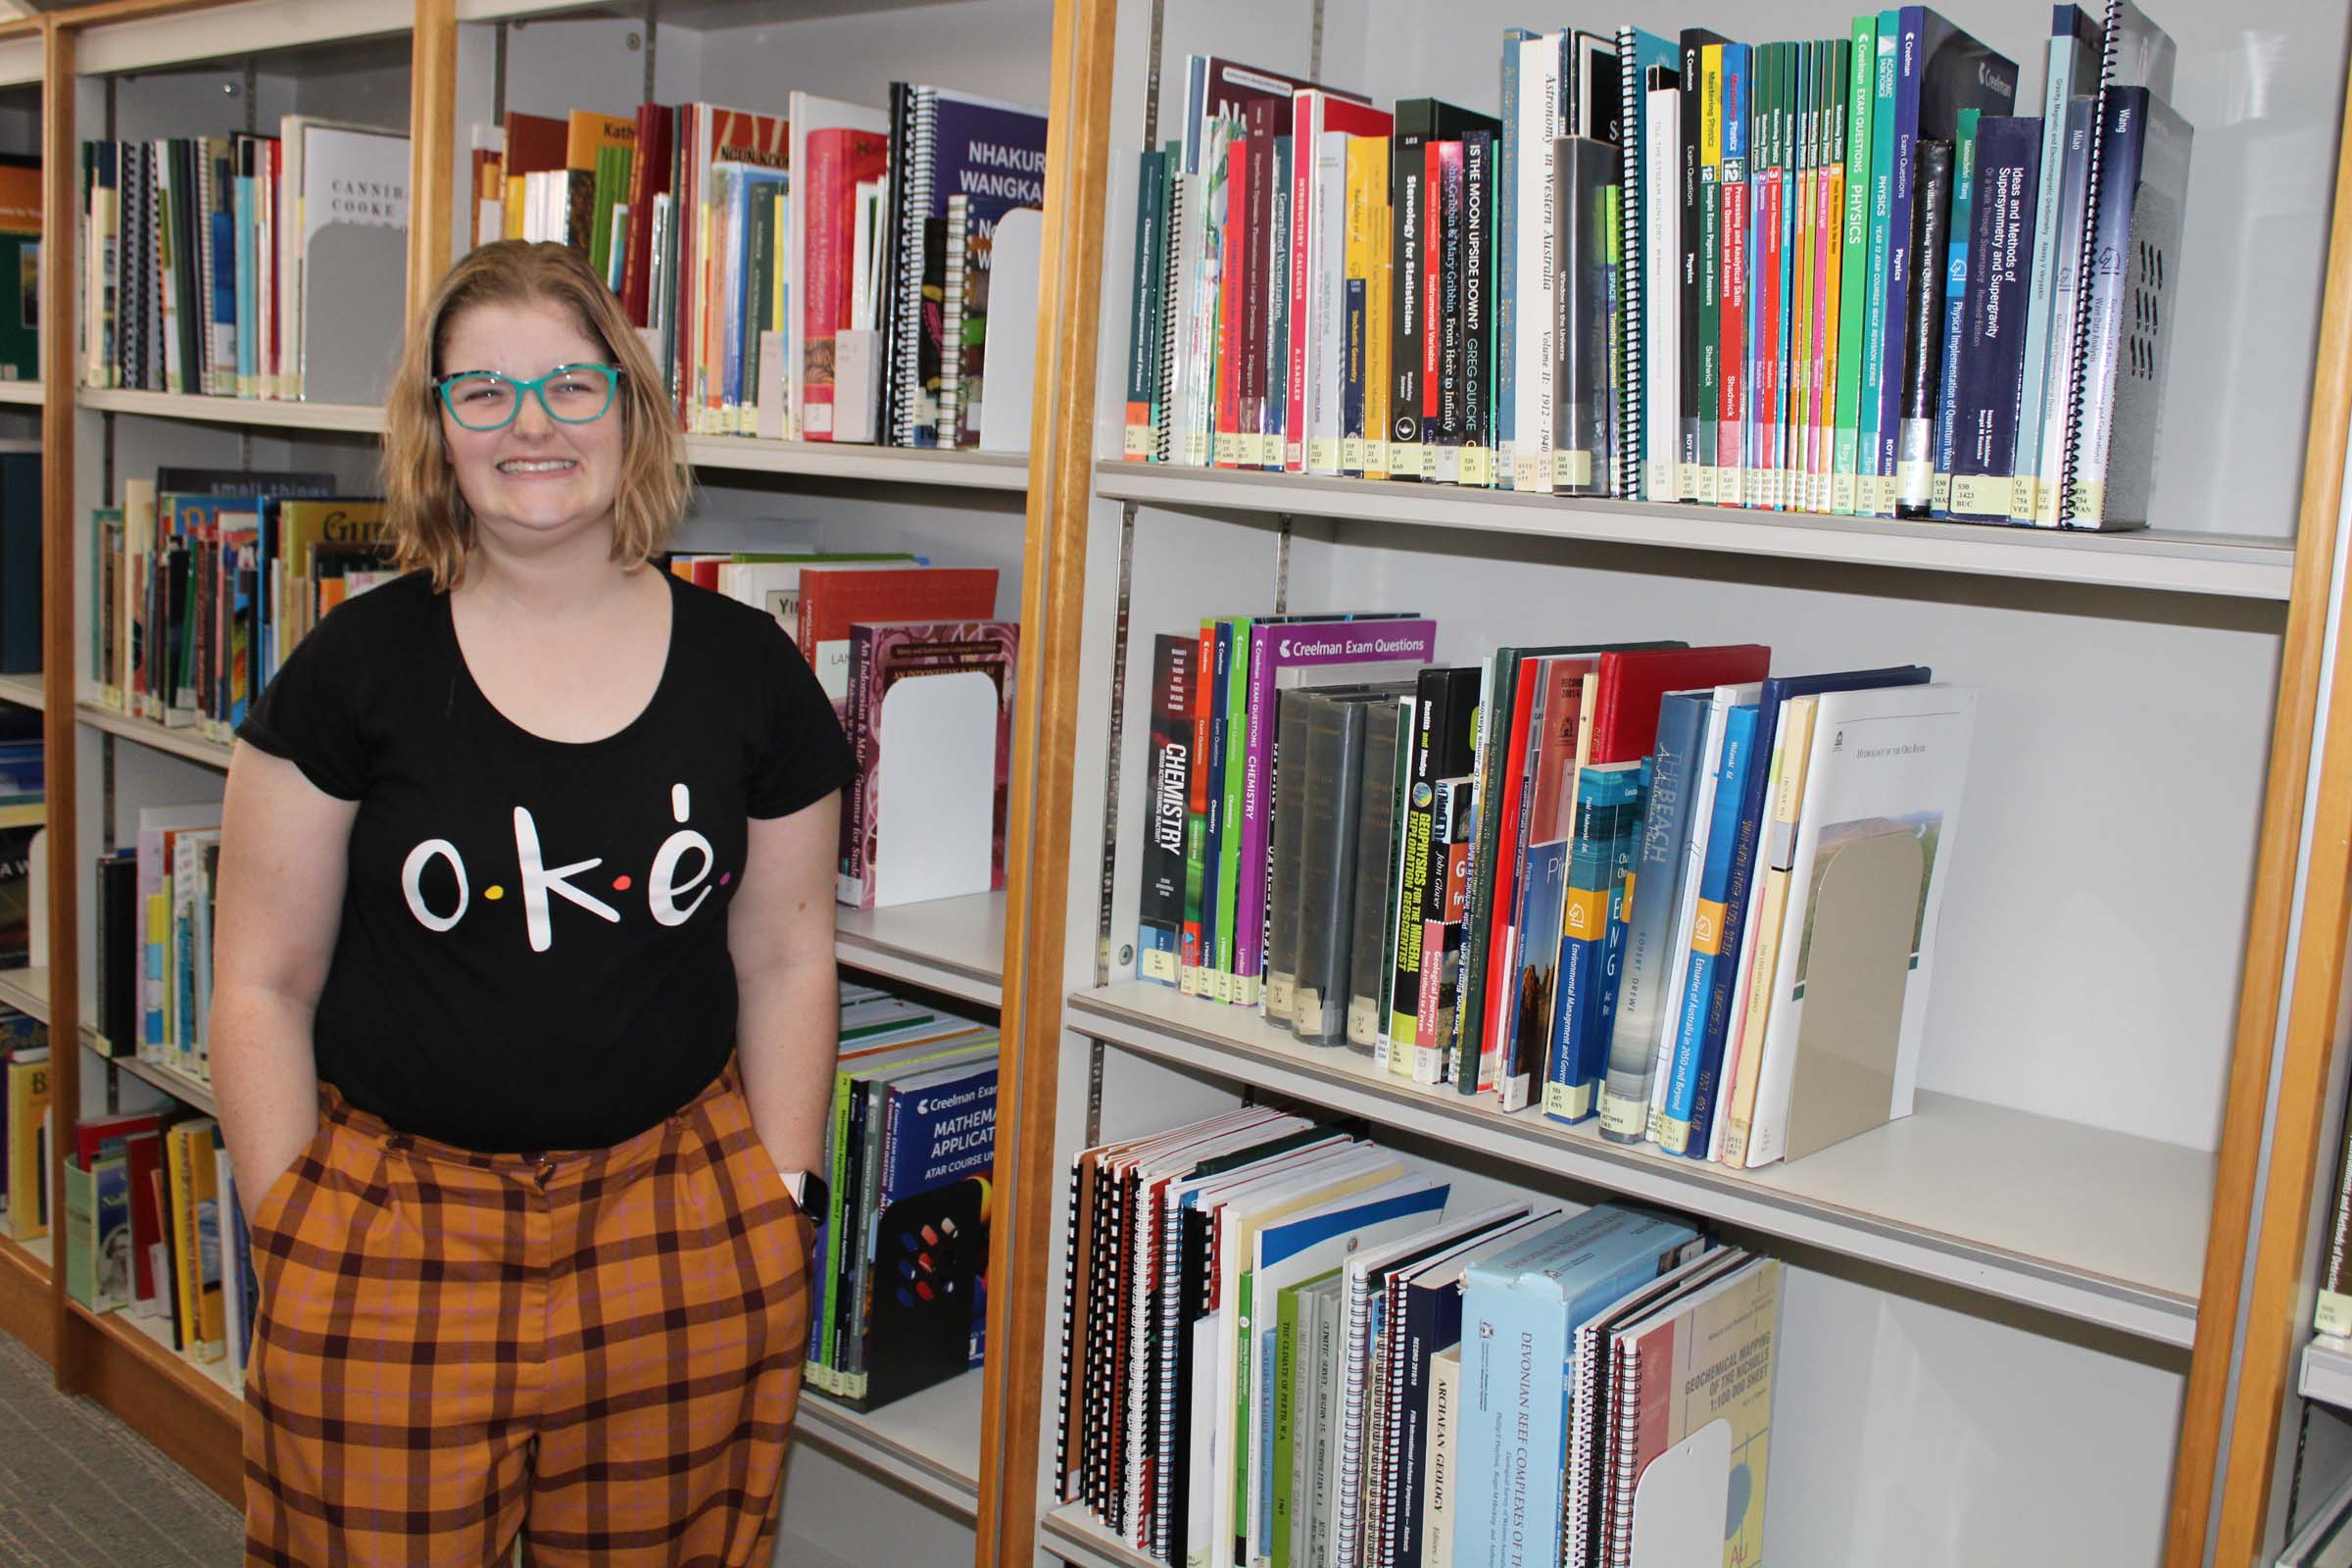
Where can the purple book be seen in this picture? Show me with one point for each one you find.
(1303, 652)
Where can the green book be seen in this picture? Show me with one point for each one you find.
(1853, 281)
(81, 1222)
(1881, 263)
(1242, 988)
(1293, 1393)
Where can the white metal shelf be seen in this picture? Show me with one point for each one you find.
(2228, 565)
(189, 1092)
(26, 392)
(357, 419)
(184, 743)
(25, 691)
(26, 991)
(2077, 1220)
(1071, 1534)
(955, 947)
(2327, 1372)
(845, 459)
(928, 1443)
(217, 33)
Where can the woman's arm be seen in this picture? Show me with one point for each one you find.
(279, 901)
(781, 933)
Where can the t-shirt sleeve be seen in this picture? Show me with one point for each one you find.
(800, 755)
(309, 714)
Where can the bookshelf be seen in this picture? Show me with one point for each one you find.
(2036, 1236)
(925, 1443)
(25, 691)
(353, 419)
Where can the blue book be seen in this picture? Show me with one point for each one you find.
(1991, 351)
(1707, 930)
(1576, 1059)
(2074, 40)
(1743, 860)
(1622, 850)
(1939, 71)
(1520, 1312)
(926, 1310)
(1279, 220)
(1955, 304)
(746, 183)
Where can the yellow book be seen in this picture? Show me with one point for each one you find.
(1365, 452)
(1833, 240)
(28, 1110)
(1793, 750)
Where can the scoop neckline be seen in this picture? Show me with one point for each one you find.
(637, 721)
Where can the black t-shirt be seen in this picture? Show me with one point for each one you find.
(533, 949)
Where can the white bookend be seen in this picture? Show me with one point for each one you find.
(1012, 354)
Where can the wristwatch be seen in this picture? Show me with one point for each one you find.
(796, 1182)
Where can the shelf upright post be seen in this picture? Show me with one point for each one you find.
(2265, 1363)
(1045, 750)
(59, 199)
(432, 144)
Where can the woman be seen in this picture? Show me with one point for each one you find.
(523, 988)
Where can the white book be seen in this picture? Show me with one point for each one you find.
(1325, 356)
(1196, 431)
(349, 262)
(1661, 316)
(1437, 1471)
(1694, 857)
(1886, 760)
(1540, 126)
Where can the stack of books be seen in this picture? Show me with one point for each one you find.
(899, 1273)
(1282, 1346)
(1835, 275)
(1435, 866)
(204, 581)
(155, 940)
(245, 266)
(933, 825)
(823, 274)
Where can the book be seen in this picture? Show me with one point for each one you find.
(350, 257)
(2139, 189)
(1440, 748)
(1576, 1060)
(2075, 41)
(1987, 402)
(1380, 799)
(831, 147)
(1662, 841)
(1928, 244)
(1883, 787)
(833, 596)
(1701, 1363)
(27, 1172)
(933, 829)
(1324, 917)
(1585, 298)
(1160, 916)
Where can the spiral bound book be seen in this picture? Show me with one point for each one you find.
(992, 153)
(1690, 1416)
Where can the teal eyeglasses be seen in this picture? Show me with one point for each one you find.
(571, 394)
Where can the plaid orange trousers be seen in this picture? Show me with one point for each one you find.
(600, 1349)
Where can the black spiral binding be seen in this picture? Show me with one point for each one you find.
(1171, 323)
(914, 207)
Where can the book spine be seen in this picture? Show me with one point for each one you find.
(1510, 155)
(1479, 917)
(1251, 863)
(1710, 273)
(1442, 937)
(1414, 884)
(1274, 328)
(1375, 873)
(2058, 85)
(1732, 351)
(1477, 321)
(1160, 916)
(2066, 294)
(1448, 187)
(1985, 401)
(1242, 983)
(1168, 316)
(1660, 227)
(1768, 122)
(914, 217)
(1910, 72)
(2119, 151)
(1536, 269)
(1304, 341)
(1955, 307)
(1438, 1497)
(1923, 353)
(1709, 925)
(2332, 1314)
(1877, 265)
(1216, 929)
(1630, 345)
(1689, 274)
(1192, 953)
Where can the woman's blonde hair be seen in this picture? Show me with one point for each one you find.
(425, 512)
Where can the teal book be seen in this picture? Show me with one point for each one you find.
(1520, 1313)
(1955, 304)
(1853, 281)
(1576, 1059)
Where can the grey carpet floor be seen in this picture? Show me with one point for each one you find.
(80, 1490)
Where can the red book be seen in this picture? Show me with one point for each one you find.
(1769, 347)
(1625, 708)
(1731, 356)
(92, 1134)
(1257, 241)
(535, 143)
(1511, 769)
(648, 177)
(834, 596)
(838, 159)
